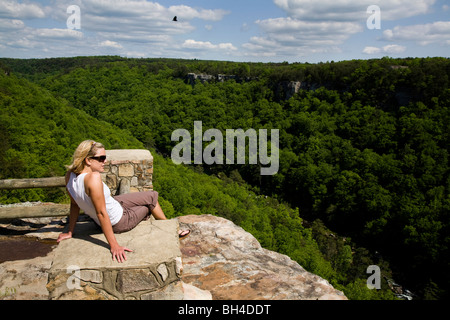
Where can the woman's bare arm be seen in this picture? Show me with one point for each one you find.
(73, 216)
(94, 188)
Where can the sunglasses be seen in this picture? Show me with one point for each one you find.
(100, 158)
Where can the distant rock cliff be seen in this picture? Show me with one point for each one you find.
(203, 77)
(284, 90)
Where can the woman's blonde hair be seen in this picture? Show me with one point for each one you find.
(85, 149)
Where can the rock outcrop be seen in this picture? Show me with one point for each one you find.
(25, 279)
(202, 77)
(229, 262)
(220, 261)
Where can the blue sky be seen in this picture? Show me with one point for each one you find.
(245, 30)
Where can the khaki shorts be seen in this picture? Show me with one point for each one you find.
(137, 206)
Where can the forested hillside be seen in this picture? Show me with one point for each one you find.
(363, 150)
(39, 132)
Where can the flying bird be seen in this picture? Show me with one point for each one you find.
(174, 18)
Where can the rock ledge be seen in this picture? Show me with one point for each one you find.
(229, 262)
(220, 261)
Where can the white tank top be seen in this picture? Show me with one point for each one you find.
(78, 193)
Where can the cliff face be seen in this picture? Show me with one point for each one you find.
(229, 262)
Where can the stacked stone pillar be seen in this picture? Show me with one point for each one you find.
(128, 171)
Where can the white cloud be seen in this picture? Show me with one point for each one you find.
(313, 26)
(261, 43)
(133, 26)
(293, 37)
(206, 45)
(137, 37)
(298, 30)
(350, 10)
(201, 45)
(227, 46)
(394, 49)
(111, 44)
(13, 9)
(55, 34)
(389, 49)
(137, 15)
(142, 25)
(188, 13)
(372, 50)
(423, 34)
(130, 17)
(8, 25)
(41, 41)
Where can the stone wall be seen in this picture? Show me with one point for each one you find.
(128, 171)
(159, 282)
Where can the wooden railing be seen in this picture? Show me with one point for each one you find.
(32, 183)
(37, 211)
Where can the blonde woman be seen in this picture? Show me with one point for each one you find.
(113, 214)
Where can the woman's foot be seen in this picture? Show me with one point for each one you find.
(183, 233)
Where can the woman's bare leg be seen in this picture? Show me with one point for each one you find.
(157, 213)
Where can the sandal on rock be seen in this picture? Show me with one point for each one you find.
(183, 233)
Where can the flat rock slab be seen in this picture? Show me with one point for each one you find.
(83, 268)
(128, 155)
(153, 242)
